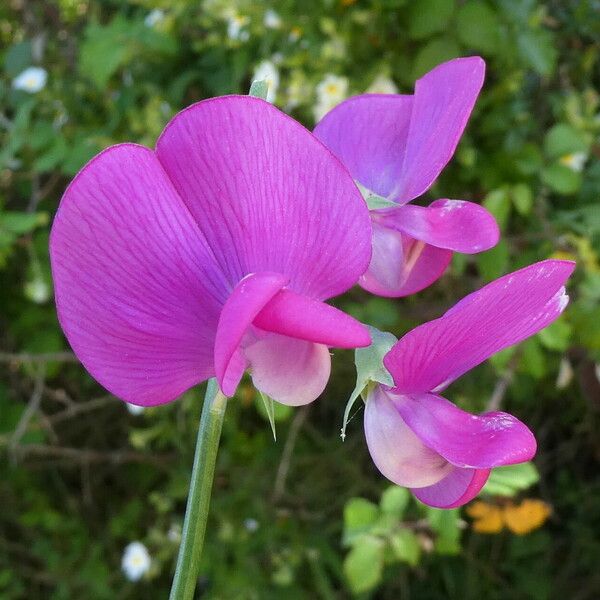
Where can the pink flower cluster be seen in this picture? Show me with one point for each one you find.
(214, 254)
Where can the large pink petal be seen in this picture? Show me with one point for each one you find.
(291, 371)
(248, 298)
(300, 317)
(368, 134)
(501, 314)
(463, 439)
(453, 224)
(137, 291)
(457, 488)
(395, 449)
(401, 265)
(267, 195)
(443, 101)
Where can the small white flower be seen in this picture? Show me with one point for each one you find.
(236, 27)
(382, 85)
(37, 290)
(174, 533)
(330, 92)
(134, 409)
(575, 161)
(136, 561)
(267, 71)
(32, 80)
(251, 524)
(565, 374)
(272, 20)
(154, 17)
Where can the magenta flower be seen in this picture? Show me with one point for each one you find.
(422, 441)
(395, 147)
(212, 254)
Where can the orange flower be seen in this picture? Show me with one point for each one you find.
(519, 518)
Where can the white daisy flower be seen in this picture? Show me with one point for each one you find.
(136, 561)
(267, 71)
(382, 85)
(32, 80)
(236, 27)
(330, 92)
(271, 20)
(575, 161)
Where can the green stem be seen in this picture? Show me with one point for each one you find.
(196, 512)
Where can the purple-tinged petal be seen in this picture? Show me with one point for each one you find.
(137, 292)
(395, 449)
(457, 488)
(248, 298)
(267, 195)
(501, 314)
(453, 224)
(465, 440)
(291, 371)
(368, 134)
(401, 265)
(443, 101)
(297, 316)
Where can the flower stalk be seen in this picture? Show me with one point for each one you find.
(196, 512)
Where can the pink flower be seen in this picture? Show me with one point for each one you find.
(422, 441)
(395, 147)
(212, 254)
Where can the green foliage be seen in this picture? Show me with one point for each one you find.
(86, 477)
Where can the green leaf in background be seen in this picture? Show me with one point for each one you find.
(273, 413)
(405, 546)
(445, 523)
(498, 203)
(19, 223)
(429, 16)
(363, 566)
(359, 516)
(369, 367)
(563, 139)
(537, 49)
(494, 263)
(394, 501)
(432, 54)
(556, 336)
(477, 26)
(533, 359)
(508, 481)
(522, 198)
(561, 179)
(269, 406)
(17, 58)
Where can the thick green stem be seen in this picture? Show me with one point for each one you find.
(196, 512)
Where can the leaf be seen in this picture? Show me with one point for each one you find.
(259, 89)
(363, 566)
(269, 405)
(498, 203)
(522, 198)
(563, 139)
(507, 481)
(538, 50)
(477, 26)
(19, 223)
(493, 263)
(556, 336)
(561, 179)
(369, 367)
(17, 58)
(446, 525)
(394, 500)
(405, 546)
(433, 53)
(428, 16)
(359, 516)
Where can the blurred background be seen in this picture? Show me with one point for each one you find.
(82, 478)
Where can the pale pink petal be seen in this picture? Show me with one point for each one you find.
(442, 104)
(291, 371)
(300, 317)
(395, 449)
(453, 224)
(267, 195)
(248, 298)
(137, 292)
(368, 134)
(465, 440)
(457, 488)
(499, 315)
(401, 265)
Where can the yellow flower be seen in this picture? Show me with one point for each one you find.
(521, 518)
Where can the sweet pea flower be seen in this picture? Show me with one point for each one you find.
(395, 146)
(210, 255)
(420, 440)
